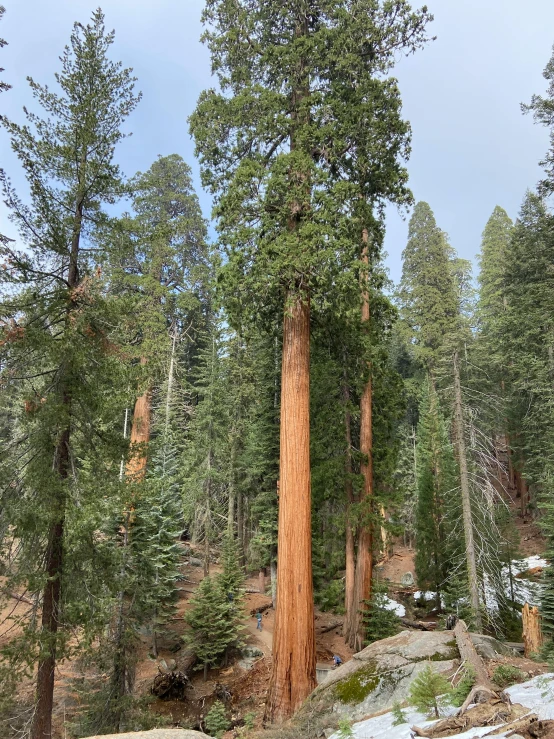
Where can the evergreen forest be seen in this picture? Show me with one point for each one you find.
(229, 426)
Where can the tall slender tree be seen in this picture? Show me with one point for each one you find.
(68, 159)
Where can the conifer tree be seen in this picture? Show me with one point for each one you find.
(214, 623)
(268, 147)
(527, 333)
(543, 113)
(489, 309)
(436, 479)
(427, 295)
(68, 160)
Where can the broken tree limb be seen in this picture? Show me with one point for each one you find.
(519, 726)
(495, 713)
(20, 598)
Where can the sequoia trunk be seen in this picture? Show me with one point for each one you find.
(349, 584)
(364, 561)
(294, 675)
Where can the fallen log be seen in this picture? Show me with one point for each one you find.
(421, 625)
(494, 713)
(517, 727)
(261, 609)
(186, 661)
(326, 629)
(484, 689)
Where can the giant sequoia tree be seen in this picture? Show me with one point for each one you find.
(55, 319)
(268, 150)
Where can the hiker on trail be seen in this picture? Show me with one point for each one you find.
(337, 661)
(259, 619)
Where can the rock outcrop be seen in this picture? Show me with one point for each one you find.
(381, 675)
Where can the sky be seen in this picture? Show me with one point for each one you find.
(471, 148)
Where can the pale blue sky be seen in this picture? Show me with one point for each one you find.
(472, 148)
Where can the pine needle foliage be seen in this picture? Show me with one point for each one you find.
(429, 692)
(214, 622)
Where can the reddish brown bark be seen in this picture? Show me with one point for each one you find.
(140, 435)
(364, 559)
(532, 631)
(293, 677)
(349, 626)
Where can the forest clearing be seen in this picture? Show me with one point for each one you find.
(252, 487)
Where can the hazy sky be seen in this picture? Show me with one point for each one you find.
(471, 149)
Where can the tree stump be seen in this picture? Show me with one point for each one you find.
(532, 632)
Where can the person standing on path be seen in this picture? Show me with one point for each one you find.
(259, 619)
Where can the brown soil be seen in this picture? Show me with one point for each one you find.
(248, 686)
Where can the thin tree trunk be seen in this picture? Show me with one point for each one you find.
(294, 677)
(231, 503)
(41, 725)
(240, 524)
(466, 499)
(364, 562)
(42, 719)
(350, 551)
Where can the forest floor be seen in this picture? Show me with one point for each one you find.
(246, 678)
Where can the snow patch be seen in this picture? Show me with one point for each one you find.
(392, 605)
(537, 695)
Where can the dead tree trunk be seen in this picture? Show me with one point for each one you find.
(483, 687)
(140, 435)
(532, 632)
(293, 677)
(466, 499)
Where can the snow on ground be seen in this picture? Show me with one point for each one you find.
(392, 605)
(425, 595)
(536, 694)
(525, 591)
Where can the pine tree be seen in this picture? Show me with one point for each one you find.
(436, 479)
(261, 142)
(527, 333)
(429, 692)
(543, 113)
(231, 578)
(217, 722)
(427, 295)
(68, 160)
(213, 621)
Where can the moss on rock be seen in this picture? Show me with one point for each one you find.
(357, 687)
